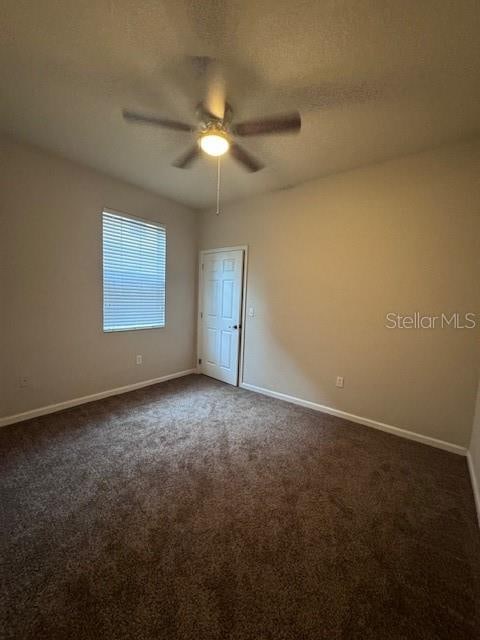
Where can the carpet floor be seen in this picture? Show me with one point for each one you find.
(196, 510)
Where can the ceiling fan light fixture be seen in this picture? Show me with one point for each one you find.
(215, 144)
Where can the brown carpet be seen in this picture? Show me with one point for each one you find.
(195, 510)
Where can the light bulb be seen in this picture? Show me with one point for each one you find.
(214, 144)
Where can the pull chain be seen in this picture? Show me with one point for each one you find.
(218, 186)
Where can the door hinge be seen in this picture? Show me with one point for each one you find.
(201, 314)
(202, 266)
(199, 361)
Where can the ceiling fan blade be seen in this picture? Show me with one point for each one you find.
(288, 122)
(131, 116)
(216, 90)
(244, 158)
(186, 159)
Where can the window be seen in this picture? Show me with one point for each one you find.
(134, 257)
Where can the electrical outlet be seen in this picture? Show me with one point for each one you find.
(139, 359)
(340, 382)
(24, 382)
(251, 312)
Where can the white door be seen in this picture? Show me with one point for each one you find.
(220, 314)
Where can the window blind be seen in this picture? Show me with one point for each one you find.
(134, 265)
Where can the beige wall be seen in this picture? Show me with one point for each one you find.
(475, 452)
(328, 260)
(51, 313)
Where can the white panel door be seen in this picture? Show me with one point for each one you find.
(220, 314)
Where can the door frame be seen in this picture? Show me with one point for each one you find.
(243, 305)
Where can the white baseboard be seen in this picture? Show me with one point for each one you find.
(52, 408)
(475, 484)
(403, 433)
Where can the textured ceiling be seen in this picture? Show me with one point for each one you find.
(371, 78)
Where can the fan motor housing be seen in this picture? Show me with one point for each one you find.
(206, 118)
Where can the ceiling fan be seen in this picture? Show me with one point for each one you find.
(216, 132)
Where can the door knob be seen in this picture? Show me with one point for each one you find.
(236, 326)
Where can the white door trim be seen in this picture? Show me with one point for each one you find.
(241, 349)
